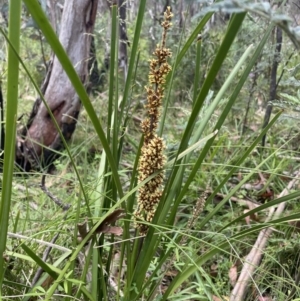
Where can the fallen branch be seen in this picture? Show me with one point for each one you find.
(38, 241)
(254, 257)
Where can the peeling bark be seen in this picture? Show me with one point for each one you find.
(40, 135)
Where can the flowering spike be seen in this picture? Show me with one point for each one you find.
(152, 157)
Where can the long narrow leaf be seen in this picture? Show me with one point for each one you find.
(11, 126)
(201, 128)
(230, 35)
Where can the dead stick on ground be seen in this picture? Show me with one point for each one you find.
(40, 271)
(38, 241)
(65, 208)
(55, 199)
(254, 257)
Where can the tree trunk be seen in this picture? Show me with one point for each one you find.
(40, 135)
(123, 42)
(273, 84)
(123, 39)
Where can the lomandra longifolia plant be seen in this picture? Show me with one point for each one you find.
(152, 153)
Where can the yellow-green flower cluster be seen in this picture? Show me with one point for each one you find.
(152, 154)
